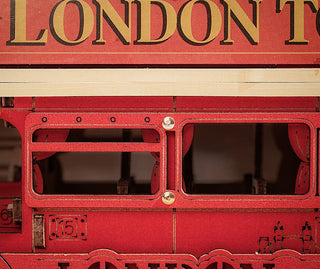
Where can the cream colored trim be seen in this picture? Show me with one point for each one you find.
(160, 82)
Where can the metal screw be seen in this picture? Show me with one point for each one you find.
(168, 198)
(168, 123)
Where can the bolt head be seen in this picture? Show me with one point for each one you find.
(168, 123)
(168, 198)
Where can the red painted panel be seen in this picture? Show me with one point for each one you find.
(247, 104)
(258, 32)
(199, 233)
(129, 231)
(104, 104)
(23, 102)
(41, 32)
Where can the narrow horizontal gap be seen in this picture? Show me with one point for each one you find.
(90, 135)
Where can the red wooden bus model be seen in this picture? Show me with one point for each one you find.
(214, 182)
(175, 170)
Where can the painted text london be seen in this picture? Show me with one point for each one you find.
(93, 17)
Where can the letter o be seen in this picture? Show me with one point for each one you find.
(57, 22)
(214, 22)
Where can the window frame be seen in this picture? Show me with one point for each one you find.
(36, 121)
(183, 201)
(228, 201)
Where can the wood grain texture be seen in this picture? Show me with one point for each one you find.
(160, 82)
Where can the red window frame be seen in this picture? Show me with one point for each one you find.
(36, 121)
(183, 200)
(254, 201)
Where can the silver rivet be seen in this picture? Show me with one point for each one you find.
(168, 198)
(168, 123)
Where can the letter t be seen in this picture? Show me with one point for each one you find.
(297, 18)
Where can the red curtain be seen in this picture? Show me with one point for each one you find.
(152, 136)
(300, 141)
(45, 135)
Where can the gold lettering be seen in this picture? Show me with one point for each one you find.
(18, 29)
(297, 18)
(57, 22)
(169, 21)
(121, 28)
(214, 21)
(250, 29)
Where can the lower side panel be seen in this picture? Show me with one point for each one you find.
(217, 259)
(198, 233)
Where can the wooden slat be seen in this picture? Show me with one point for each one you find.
(160, 82)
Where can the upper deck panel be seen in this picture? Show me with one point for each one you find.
(183, 33)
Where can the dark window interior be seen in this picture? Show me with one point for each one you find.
(10, 176)
(248, 158)
(108, 173)
(10, 153)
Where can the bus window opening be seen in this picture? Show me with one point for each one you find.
(94, 172)
(248, 158)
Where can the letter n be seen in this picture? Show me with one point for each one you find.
(122, 28)
(250, 29)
